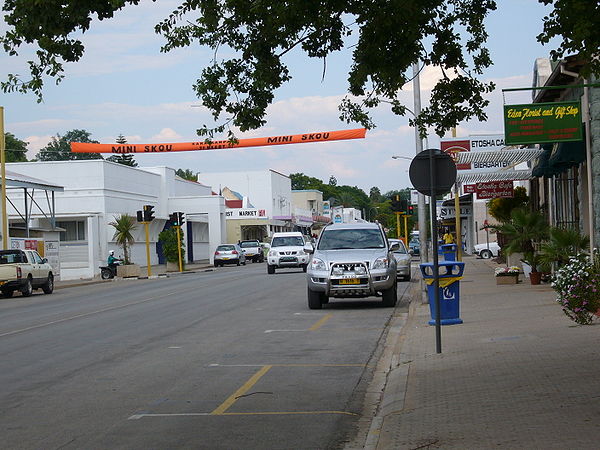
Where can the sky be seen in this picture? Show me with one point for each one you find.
(124, 85)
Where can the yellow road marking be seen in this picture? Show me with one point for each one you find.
(276, 413)
(321, 322)
(241, 391)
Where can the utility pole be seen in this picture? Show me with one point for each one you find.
(422, 214)
(3, 174)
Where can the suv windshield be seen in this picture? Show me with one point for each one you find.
(287, 241)
(359, 238)
(247, 244)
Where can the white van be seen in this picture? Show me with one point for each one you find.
(288, 250)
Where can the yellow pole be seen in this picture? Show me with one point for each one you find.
(3, 175)
(179, 248)
(457, 223)
(398, 225)
(406, 229)
(457, 215)
(147, 226)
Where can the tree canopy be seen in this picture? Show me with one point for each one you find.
(387, 38)
(16, 149)
(187, 174)
(59, 148)
(126, 158)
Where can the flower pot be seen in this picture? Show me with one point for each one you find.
(507, 279)
(172, 266)
(535, 277)
(130, 270)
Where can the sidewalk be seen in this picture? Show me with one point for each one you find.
(517, 374)
(158, 270)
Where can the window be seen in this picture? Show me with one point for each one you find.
(351, 239)
(287, 241)
(74, 230)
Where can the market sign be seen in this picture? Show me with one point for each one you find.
(495, 189)
(245, 213)
(475, 143)
(539, 123)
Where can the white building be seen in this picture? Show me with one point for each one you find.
(269, 192)
(97, 191)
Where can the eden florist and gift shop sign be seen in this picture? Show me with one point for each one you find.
(538, 123)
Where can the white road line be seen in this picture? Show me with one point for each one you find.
(283, 331)
(139, 416)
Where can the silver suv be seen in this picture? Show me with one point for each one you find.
(352, 260)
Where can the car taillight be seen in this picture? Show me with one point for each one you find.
(19, 272)
(234, 252)
(216, 253)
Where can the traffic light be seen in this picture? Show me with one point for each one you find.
(411, 210)
(404, 206)
(140, 216)
(396, 206)
(177, 219)
(148, 213)
(173, 219)
(180, 218)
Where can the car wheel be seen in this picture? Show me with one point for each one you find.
(238, 262)
(315, 299)
(304, 266)
(27, 289)
(48, 286)
(486, 254)
(8, 293)
(270, 269)
(390, 296)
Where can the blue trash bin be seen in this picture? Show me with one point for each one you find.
(450, 274)
(449, 251)
(439, 247)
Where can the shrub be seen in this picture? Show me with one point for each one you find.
(168, 238)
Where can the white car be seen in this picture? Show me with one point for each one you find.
(288, 250)
(486, 250)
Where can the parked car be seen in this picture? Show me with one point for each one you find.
(253, 250)
(486, 250)
(403, 259)
(288, 250)
(24, 271)
(229, 254)
(415, 246)
(352, 260)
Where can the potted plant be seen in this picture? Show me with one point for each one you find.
(170, 247)
(562, 244)
(124, 226)
(577, 285)
(507, 275)
(524, 232)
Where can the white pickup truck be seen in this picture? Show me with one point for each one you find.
(24, 271)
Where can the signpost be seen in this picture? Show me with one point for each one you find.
(433, 173)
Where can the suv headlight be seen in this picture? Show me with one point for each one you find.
(381, 263)
(273, 253)
(318, 264)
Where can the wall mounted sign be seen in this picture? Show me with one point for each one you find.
(539, 123)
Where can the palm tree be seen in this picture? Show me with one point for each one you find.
(524, 230)
(124, 225)
(561, 245)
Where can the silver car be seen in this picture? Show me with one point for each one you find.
(352, 260)
(229, 254)
(403, 259)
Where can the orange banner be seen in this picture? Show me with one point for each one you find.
(322, 136)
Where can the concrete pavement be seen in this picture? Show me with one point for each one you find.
(516, 374)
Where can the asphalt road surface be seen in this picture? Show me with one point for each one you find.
(230, 359)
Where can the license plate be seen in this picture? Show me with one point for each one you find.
(350, 281)
(225, 257)
(288, 259)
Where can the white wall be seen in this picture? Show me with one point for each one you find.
(96, 191)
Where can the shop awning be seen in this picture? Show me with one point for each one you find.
(559, 157)
(512, 155)
(470, 176)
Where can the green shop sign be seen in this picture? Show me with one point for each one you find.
(539, 123)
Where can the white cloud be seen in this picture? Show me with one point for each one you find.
(166, 135)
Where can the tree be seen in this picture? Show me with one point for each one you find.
(387, 39)
(126, 158)
(59, 148)
(16, 149)
(501, 208)
(375, 195)
(301, 182)
(168, 238)
(124, 226)
(187, 174)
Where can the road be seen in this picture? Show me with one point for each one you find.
(221, 360)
